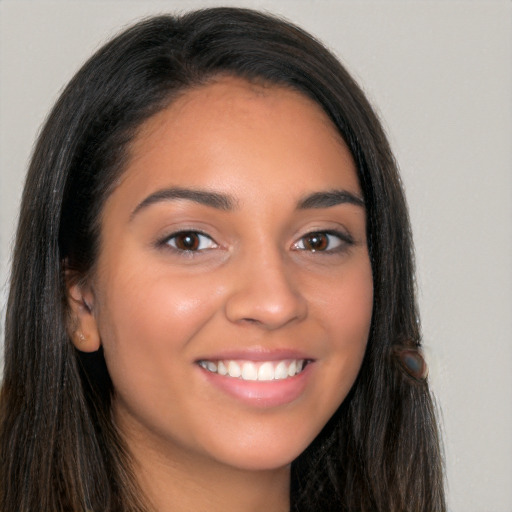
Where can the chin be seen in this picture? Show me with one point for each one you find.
(264, 454)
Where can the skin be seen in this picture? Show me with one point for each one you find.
(253, 284)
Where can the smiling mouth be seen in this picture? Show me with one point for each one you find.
(263, 371)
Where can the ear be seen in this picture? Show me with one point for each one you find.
(82, 324)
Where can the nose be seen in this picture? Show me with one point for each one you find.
(265, 293)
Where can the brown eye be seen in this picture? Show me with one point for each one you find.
(188, 241)
(323, 241)
(316, 242)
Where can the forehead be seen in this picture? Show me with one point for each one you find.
(230, 133)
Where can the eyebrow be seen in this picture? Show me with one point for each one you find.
(328, 199)
(225, 202)
(212, 199)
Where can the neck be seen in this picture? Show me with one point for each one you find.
(178, 481)
(169, 487)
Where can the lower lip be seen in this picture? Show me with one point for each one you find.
(264, 394)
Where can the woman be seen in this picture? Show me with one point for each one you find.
(212, 302)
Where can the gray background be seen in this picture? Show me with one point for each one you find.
(440, 74)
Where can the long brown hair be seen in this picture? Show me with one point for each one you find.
(59, 448)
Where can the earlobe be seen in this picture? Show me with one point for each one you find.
(82, 325)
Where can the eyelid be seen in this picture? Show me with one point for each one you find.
(165, 241)
(344, 240)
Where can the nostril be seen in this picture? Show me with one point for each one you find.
(250, 320)
(264, 294)
(270, 314)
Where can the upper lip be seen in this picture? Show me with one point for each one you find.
(256, 354)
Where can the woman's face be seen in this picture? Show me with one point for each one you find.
(233, 290)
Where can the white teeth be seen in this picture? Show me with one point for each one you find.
(221, 368)
(281, 371)
(234, 369)
(249, 372)
(255, 371)
(266, 372)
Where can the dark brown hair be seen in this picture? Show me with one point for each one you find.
(58, 446)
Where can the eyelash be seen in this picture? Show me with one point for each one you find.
(326, 237)
(343, 240)
(197, 236)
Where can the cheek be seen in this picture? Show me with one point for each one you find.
(345, 302)
(147, 314)
(355, 306)
(148, 320)
(346, 314)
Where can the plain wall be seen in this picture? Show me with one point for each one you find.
(440, 74)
